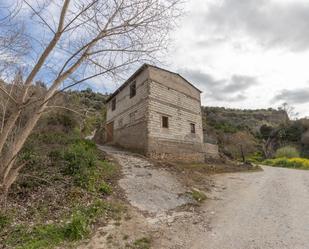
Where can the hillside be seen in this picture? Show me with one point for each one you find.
(237, 119)
(242, 131)
(67, 186)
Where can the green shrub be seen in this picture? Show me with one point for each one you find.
(79, 157)
(226, 127)
(297, 163)
(4, 221)
(104, 188)
(108, 170)
(77, 228)
(98, 208)
(256, 157)
(52, 137)
(81, 162)
(67, 120)
(198, 195)
(55, 155)
(143, 243)
(287, 151)
(29, 156)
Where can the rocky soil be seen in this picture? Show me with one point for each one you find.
(260, 210)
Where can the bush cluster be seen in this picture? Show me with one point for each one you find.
(287, 151)
(297, 163)
(226, 127)
(256, 157)
(81, 161)
(66, 120)
(79, 157)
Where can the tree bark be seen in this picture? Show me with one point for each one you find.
(3, 198)
(242, 154)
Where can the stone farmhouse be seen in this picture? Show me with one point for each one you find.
(158, 113)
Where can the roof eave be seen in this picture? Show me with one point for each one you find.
(138, 71)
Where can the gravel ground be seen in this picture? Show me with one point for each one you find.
(267, 209)
(260, 210)
(147, 188)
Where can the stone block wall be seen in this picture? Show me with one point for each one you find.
(138, 120)
(171, 96)
(181, 110)
(129, 116)
(175, 151)
(211, 150)
(132, 137)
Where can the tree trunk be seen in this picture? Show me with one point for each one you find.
(242, 154)
(3, 198)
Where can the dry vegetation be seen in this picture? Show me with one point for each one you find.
(66, 179)
(116, 34)
(197, 176)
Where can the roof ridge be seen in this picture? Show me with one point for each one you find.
(140, 69)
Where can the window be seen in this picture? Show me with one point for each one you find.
(164, 122)
(192, 128)
(133, 89)
(113, 104)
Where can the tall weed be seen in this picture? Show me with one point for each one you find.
(287, 151)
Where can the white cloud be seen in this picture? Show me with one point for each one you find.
(266, 40)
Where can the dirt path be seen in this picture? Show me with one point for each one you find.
(267, 209)
(262, 210)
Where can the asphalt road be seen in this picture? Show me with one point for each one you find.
(263, 210)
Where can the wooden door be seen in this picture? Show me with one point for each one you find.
(110, 132)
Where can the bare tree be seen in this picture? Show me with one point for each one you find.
(13, 43)
(290, 110)
(70, 42)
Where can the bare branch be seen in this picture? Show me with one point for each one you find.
(50, 46)
(38, 14)
(8, 94)
(64, 108)
(91, 38)
(79, 14)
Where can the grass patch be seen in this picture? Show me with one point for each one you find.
(198, 195)
(287, 152)
(73, 228)
(142, 243)
(4, 221)
(82, 162)
(295, 163)
(255, 158)
(69, 179)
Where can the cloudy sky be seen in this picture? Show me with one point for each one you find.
(240, 53)
(245, 53)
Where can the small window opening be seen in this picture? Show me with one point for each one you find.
(133, 89)
(113, 104)
(164, 122)
(192, 128)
